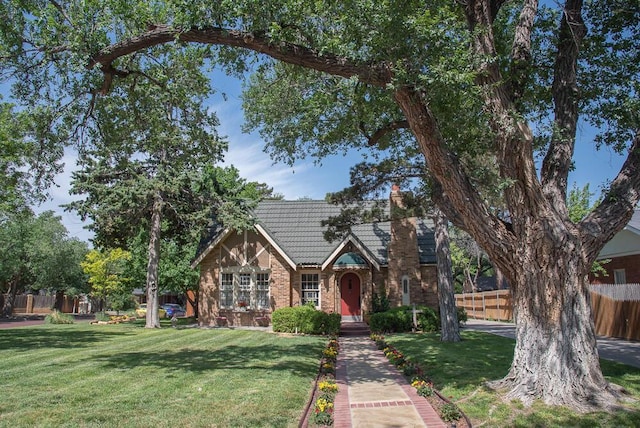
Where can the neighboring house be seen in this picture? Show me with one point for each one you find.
(285, 261)
(624, 252)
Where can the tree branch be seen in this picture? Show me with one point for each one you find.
(521, 49)
(378, 75)
(557, 162)
(62, 11)
(461, 197)
(390, 127)
(618, 205)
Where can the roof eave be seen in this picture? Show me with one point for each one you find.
(214, 241)
(350, 238)
(275, 245)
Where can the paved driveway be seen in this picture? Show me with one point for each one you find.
(20, 322)
(622, 351)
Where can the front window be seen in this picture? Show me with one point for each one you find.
(262, 290)
(244, 290)
(226, 290)
(406, 298)
(310, 284)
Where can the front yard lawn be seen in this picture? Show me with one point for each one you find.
(460, 370)
(125, 375)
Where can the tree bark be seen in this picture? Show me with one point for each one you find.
(556, 358)
(446, 299)
(9, 298)
(152, 318)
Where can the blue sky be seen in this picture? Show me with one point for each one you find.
(305, 178)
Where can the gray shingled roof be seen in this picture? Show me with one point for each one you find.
(296, 226)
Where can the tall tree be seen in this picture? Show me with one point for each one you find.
(473, 80)
(36, 254)
(449, 324)
(27, 162)
(106, 271)
(151, 161)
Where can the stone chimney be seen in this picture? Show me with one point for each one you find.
(404, 260)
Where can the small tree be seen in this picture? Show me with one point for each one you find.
(106, 274)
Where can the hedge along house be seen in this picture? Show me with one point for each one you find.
(285, 261)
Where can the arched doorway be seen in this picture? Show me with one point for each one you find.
(350, 296)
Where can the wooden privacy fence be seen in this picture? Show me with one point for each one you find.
(493, 305)
(36, 304)
(616, 308)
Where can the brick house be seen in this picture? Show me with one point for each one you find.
(285, 261)
(624, 252)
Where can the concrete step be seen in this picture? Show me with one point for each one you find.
(354, 329)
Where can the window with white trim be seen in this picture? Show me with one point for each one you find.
(262, 290)
(310, 288)
(619, 276)
(406, 299)
(226, 290)
(248, 290)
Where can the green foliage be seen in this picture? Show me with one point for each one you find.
(57, 317)
(579, 205)
(106, 273)
(468, 260)
(400, 319)
(36, 254)
(579, 202)
(449, 412)
(26, 168)
(121, 301)
(380, 302)
(394, 320)
(102, 316)
(462, 315)
(306, 320)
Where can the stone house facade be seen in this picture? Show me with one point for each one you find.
(285, 261)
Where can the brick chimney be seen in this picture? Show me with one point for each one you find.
(403, 256)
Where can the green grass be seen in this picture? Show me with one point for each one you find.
(459, 371)
(85, 375)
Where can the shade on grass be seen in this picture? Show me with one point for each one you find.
(460, 371)
(124, 375)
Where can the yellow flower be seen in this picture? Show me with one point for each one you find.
(323, 405)
(327, 386)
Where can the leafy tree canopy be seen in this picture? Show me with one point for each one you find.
(482, 85)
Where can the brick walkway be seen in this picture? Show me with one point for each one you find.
(372, 393)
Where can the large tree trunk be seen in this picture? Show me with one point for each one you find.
(152, 319)
(556, 358)
(446, 299)
(545, 259)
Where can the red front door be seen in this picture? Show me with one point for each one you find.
(350, 294)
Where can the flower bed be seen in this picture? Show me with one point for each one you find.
(447, 410)
(321, 413)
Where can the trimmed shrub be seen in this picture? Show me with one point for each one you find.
(400, 319)
(428, 320)
(305, 319)
(462, 316)
(102, 316)
(393, 321)
(57, 317)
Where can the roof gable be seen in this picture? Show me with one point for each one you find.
(295, 229)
